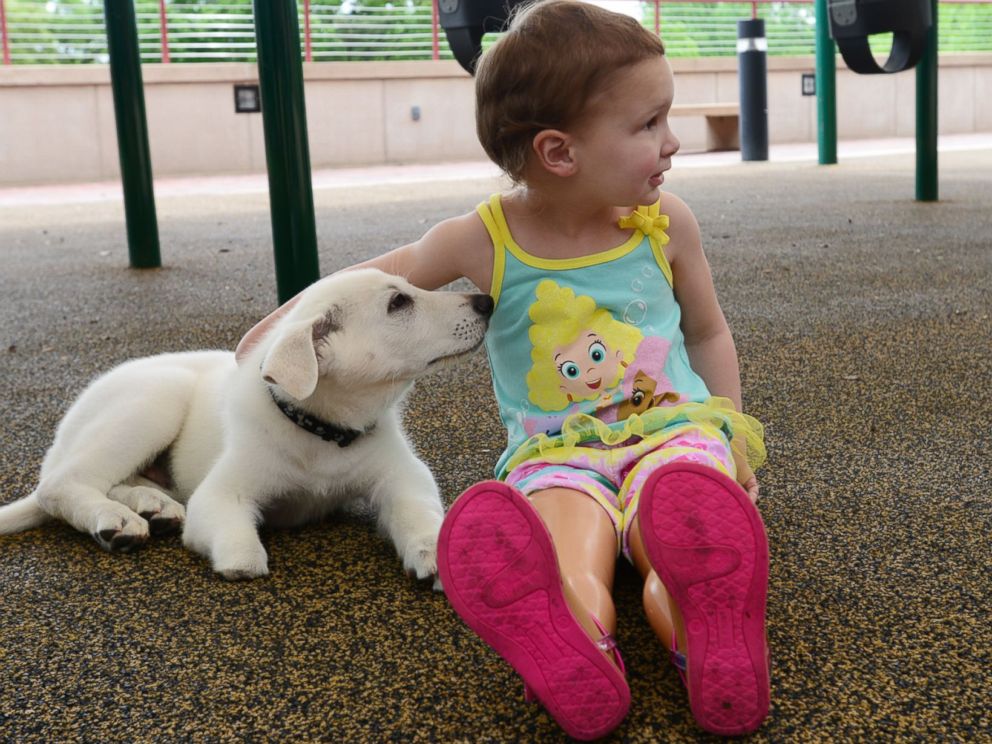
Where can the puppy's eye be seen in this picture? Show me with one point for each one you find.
(399, 301)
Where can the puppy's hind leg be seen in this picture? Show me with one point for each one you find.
(110, 433)
(152, 503)
(114, 526)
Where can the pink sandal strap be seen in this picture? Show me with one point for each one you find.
(609, 644)
(678, 659)
(499, 569)
(705, 540)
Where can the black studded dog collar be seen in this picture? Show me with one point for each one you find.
(318, 427)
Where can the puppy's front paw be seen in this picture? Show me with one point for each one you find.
(240, 562)
(420, 557)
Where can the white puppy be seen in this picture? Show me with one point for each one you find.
(307, 421)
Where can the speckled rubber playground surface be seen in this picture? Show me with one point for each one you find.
(862, 320)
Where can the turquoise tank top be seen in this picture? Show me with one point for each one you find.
(588, 351)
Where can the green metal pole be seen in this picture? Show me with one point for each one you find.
(826, 87)
(132, 134)
(926, 117)
(287, 153)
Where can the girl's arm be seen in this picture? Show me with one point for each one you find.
(455, 248)
(707, 336)
(708, 340)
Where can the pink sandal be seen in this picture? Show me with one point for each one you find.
(500, 572)
(706, 541)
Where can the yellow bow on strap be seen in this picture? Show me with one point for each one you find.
(653, 227)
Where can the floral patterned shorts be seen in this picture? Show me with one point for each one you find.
(613, 476)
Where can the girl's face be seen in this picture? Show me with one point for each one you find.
(586, 366)
(623, 144)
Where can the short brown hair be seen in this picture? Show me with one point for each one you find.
(543, 71)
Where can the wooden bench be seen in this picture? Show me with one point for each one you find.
(721, 122)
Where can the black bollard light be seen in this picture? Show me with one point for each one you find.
(752, 71)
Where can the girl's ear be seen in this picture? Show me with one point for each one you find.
(554, 152)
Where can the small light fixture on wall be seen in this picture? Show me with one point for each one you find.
(809, 84)
(247, 99)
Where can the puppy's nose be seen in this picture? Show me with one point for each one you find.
(483, 304)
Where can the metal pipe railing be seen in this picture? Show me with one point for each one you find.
(164, 25)
(3, 34)
(32, 33)
(435, 31)
(307, 35)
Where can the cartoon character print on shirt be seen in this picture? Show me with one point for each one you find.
(645, 385)
(584, 360)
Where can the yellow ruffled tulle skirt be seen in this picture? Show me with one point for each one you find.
(745, 433)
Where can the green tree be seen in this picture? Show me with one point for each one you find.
(372, 29)
(65, 31)
(211, 30)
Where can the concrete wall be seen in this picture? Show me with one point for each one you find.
(57, 122)
(868, 106)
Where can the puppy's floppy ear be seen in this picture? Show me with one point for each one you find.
(291, 363)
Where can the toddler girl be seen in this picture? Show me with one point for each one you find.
(617, 379)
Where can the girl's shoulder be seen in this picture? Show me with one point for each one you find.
(683, 229)
(463, 235)
(679, 213)
(462, 242)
